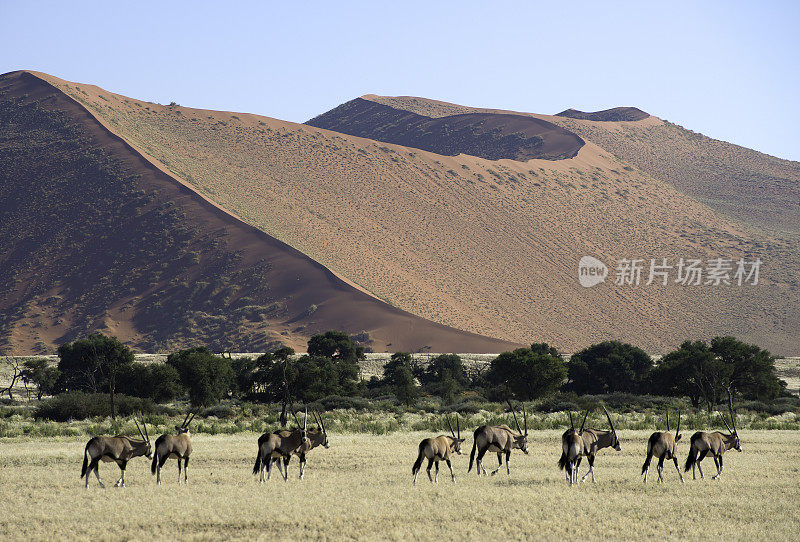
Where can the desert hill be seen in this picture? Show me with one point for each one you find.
(95, 237)
(615, 114)
(485, 246)
(485, 135)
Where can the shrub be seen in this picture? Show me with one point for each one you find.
(77, 405)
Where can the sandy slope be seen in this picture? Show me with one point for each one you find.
(95, 237)
(486, 246)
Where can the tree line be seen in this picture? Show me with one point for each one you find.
(699, 371)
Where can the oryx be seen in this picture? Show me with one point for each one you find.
(501, 439)
(595, 440)
(178, 446)
(272, 447)
(716, 443)
(436, 449)
(572, 449)
(664, 446)
(316, 437)
(119, 449)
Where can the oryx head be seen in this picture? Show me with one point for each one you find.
(145, 438)
(520, 440)
(184, 427)
(321, 428)
(736, 445)
(455, 447)
(615, 440)
(304, 427)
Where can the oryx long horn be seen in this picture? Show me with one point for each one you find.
(450, 425)
(139, 429)
(513, 413)
(678, 430)
(458, 427)
(319, 417)
(609, 420)
(525, 419)
(316, 419)
(144, 426)
(584, 420)
(571, 423)
(730, 407)
(186, 418)
(294, 415)
(190, 419)
(667, 420)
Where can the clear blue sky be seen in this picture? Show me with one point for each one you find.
(730, 70)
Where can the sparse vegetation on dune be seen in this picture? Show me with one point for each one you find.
(360, 488)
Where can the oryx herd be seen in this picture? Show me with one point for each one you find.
(279, 446)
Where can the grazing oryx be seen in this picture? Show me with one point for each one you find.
(501, 439)
(595, 440)
(281, 445)
(572, 450)
(437, 449)
(316, 437)
(118, 449)
(716, 443)
(664, 446)
(178, 446)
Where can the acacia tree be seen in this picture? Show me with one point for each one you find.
(207, 377)
(92, 364)
(528, 373)
(609, 367)
(41, 374)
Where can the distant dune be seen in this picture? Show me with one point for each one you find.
(485, 135)
(484, 246)
(615, 114)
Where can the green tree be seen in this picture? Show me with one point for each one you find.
(42, 375)
(609, 367)
(335, 345)
(92, 364)
(528, 373)
(208, 378)
(702, 372)
(398, 373)
(752, 369)
(157, 381)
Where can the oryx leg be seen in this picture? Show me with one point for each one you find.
(285, 474)
(675, 459)
(436, 476)
(590, 459)
(97, 473)
(179, 471)
(481, 468)
(121, 481)
(430, 465)
(286, 460)
(269, 466)
(161, 462)
(302, 459)
(452, 474)
(660, 469)
(699, 459)
(508, 462)
(185, 470)
(718, 465)
(499, 463)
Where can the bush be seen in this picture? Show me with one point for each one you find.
(528, 373)
(208, 378)
(609, 367)
(77, 405)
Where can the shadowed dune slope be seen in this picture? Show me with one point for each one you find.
(486, 246)
(615, 114)
(484, 135)
(95, 237)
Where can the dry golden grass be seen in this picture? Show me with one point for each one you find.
(489, 247)
(361, 488)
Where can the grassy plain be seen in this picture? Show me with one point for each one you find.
(361, 488)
